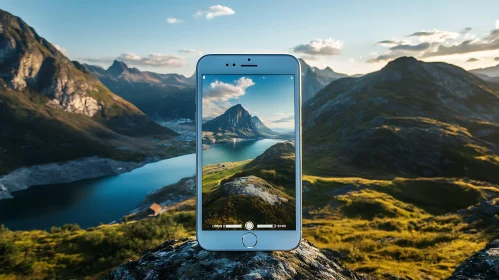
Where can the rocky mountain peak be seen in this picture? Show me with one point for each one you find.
(185, 259)
(117, 68)
(236, 119)
(30, 62)
(237, 108)
(405, 63)
(328, 69)
(258, 123)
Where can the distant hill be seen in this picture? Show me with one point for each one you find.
(157, 95)
(315, 79)
(489, 71)
(51, 109)
(236, 122)
(411, 118)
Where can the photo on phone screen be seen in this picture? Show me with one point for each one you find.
(248, 158)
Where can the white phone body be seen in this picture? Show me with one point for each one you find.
(218, 67)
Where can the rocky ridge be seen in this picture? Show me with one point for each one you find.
(185, 259)
(30, 62)
(482, 265)
(255, 187)
(411, 118)
(157, 95)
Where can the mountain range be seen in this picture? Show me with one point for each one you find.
(411, 118)
(490, 74)
(489, 71)
(315, 79)
(52, 110)
(157, 95)
(172, 95)
(236, 122)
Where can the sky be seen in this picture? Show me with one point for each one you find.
(269, 97)
(349, 36)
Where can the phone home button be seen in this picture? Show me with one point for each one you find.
(249, 240)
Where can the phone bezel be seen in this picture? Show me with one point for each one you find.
(275, 64)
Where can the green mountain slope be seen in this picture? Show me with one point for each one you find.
(409, 119)
(53, 110)
(261, 191)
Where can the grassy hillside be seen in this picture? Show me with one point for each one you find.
(34, 133)
(261, 190)
(52, 109)
(69, 252)
(410, 119)
(380, 227)
(410, 227)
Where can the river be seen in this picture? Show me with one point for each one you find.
(103, 200)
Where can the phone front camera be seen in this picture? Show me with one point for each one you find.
(233, 64)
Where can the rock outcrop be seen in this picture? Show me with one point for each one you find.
(255, 187)
(53, 110)
(30, 62)
(482, 265)
(187, 260)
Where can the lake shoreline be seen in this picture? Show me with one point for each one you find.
(66, 172)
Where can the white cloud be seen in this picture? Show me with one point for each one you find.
(61, 49)
(216, 97)
(437, 43)
(434, 35)
(289, 118)
(497, 24)
(155, 60)
(215, 11)
(320, 47)
(391, 43)
(190, 51)
(172, 20)
(465, 30)
(221, 91)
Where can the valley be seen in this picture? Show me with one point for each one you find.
(400, 165)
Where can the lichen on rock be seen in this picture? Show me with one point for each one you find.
(482, 265)
(185, 259)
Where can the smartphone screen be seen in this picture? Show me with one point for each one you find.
(248, 157)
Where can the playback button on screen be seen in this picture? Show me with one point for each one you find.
(249, 225)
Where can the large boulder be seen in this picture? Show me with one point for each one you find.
(482, 265)
(185, 259)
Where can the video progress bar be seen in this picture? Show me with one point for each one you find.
(264, 226)
(233, 226)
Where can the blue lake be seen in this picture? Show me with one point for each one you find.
(103, 200)
(237, 151)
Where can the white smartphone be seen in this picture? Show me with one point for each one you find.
(248, 127)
